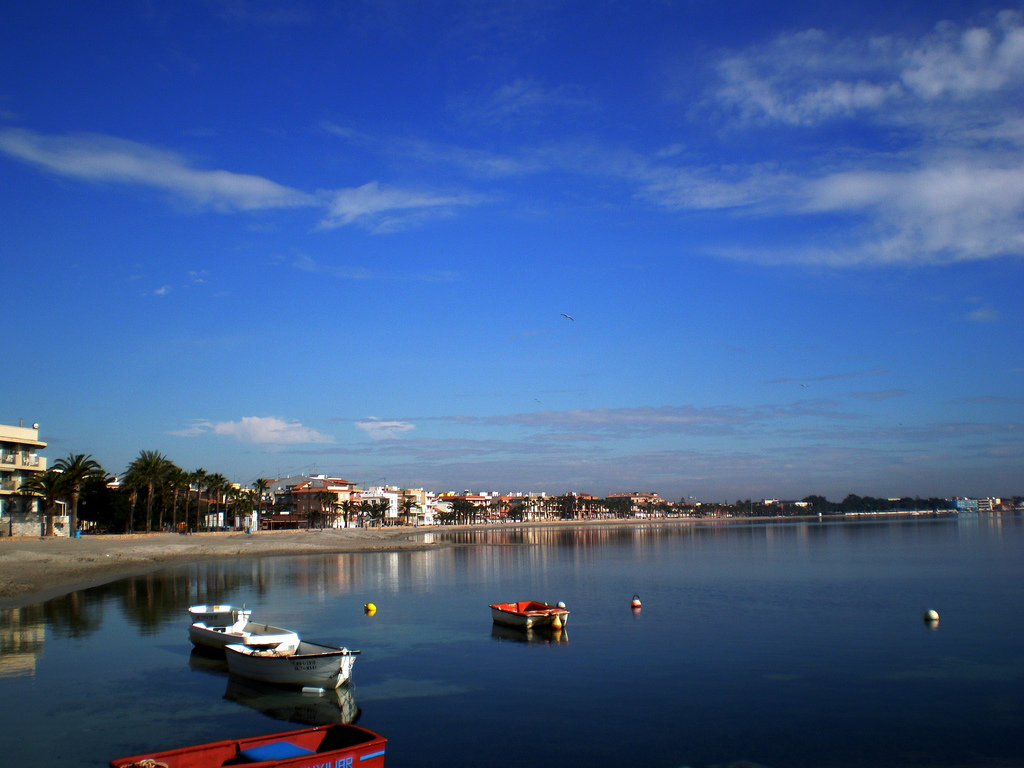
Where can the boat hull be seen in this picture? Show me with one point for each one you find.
(529, 614)
(246, 633)
(332, 745)
(219, 615)
(311, 664)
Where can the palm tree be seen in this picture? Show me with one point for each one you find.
(378, 509)
(51, 485)
(199, 478)
(325, 500)
(408, 504)
(149, 467)
(261, 486)
(76, 468)
(348, 507)
(178, 478)
(216, 484)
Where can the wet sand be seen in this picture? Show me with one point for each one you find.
(36, 569)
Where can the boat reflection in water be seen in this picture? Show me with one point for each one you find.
(542, 636)
(334, 705)
(208, 660)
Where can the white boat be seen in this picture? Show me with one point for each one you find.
(530, 614)
(220, 625)
(310, 664)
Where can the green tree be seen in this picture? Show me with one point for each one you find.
(51, 486)
(465, 510)
(76, 469)
(261, 486)
(349, 507)
(216, 485)
(150, 468)
(407, 505)
(199, 478)
(325, 502)
(377, 509)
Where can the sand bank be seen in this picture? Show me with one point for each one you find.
(36, 569)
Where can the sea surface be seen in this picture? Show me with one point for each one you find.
(778, 644)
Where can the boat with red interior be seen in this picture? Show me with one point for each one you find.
(332, 745)
(530, 614)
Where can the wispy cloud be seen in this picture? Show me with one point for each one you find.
(259, 430)
(983, 313)
(829, 377)
(105, 159)
(388, 209)
(96, 158)
(380, 429)
(348, 272)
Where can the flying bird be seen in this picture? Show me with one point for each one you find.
(567, 316)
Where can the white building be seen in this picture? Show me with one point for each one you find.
(20, 514)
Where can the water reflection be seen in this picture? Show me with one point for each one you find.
(337, 705)
(210, 661)
(21, 642)
(543, 636)
(154, 600)
(281, 703)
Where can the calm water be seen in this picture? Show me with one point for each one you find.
(767, 645)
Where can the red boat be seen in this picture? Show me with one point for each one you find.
(529, 614)
(329, 746)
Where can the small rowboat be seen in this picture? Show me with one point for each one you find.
(218, 615)
(308, 664)
(221, 627)
(332, 745)
(529, 614)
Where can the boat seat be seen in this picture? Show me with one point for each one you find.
(275, 750)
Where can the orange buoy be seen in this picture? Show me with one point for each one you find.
(635, 603)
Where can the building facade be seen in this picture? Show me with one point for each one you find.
(20, 514)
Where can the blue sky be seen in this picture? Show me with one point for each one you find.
(266, 237)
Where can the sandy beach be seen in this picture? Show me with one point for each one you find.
(36, 569)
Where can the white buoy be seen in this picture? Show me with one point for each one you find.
(931, 616)
(561, 604)
(310, 690)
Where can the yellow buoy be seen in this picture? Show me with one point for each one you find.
(556, 623)
(370, 608)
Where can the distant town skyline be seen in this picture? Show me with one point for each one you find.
(709, 250)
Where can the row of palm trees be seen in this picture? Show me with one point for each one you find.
(153, 479)
(329, 508)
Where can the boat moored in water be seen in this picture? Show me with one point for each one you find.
(225, 625)
(333, 745)
(529, 614)
(308, 664)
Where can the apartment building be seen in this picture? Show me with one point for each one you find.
(19, 460)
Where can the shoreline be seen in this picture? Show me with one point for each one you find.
(34, 570)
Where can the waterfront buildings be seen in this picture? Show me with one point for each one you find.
(20, 460)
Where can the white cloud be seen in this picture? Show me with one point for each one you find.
(949, 211)
(97, 158)
(255, 429)
(968, 63)
(810, 77)
(103, 158)
(267, 430)
(383, 209)
(378, 429)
